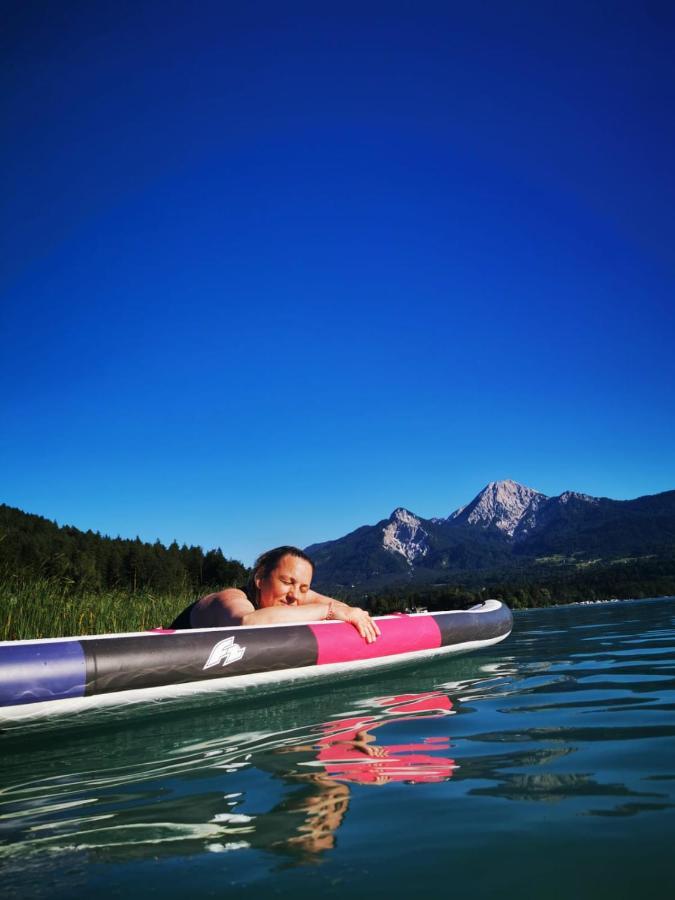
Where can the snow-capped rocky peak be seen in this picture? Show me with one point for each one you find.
(404, 534)
(501, 505)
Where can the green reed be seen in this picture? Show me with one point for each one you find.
(48, 607)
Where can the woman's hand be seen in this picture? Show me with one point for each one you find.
(359, 618)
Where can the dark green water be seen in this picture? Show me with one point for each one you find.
(542, 768)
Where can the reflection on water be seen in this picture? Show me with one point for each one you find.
(316, 764)
(569, 722)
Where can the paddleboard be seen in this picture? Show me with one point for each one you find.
(65, 675)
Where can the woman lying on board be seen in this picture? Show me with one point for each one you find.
(278, 592)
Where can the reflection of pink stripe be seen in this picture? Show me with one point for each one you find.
(431, 701)
(340, 642)
(415, 768)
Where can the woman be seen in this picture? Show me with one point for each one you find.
(278, 592)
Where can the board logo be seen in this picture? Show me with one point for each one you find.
(225, 652)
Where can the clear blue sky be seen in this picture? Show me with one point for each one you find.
(270, 270)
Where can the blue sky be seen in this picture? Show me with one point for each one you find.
(272, 270)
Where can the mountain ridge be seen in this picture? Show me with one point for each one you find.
(506, 525)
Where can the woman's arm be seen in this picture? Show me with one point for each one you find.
(314, 597)
(232, 607)
(356, 616)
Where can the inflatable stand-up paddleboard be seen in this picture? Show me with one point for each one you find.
(64, 675)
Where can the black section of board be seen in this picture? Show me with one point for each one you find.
(127, 663)
(460, 627)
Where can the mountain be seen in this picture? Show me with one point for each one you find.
(405, 534)
(502, 505)
(506, 526)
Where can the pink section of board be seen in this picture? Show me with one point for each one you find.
(340, 642)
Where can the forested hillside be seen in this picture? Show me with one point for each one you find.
(32, 547)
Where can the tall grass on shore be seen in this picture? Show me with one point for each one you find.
(48, 607)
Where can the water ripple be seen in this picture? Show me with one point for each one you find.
(569, 722)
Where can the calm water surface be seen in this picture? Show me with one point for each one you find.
(544, 766)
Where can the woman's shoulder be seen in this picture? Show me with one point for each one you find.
(221, 608)
(218, 608)
(232, 592)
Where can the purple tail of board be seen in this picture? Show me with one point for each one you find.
(32, 673)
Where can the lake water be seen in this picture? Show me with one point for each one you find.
(541, 768)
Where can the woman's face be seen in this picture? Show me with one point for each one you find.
(287, 585)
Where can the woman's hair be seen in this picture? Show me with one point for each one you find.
(266, 563)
